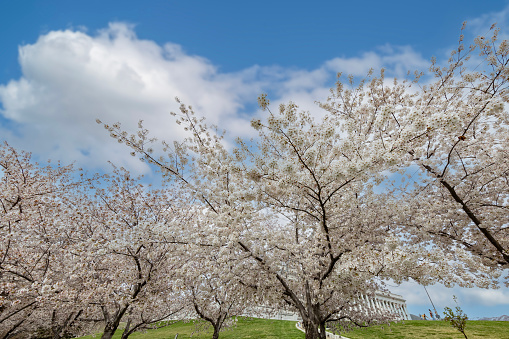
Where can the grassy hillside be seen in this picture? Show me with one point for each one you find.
(280, 329)
(434, 330)
(246, 328)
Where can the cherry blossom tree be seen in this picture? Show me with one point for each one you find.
(460, 147)
(69, 259)
(131, 244)
(35, 264)
(448, 133)
(214, 285)
(303, 199)
(299, 202)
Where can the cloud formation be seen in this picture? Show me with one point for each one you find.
(397, 61)
(442, 296)
(482, 24)
(70, 78)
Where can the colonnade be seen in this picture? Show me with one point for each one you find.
(381, 301)
(388, 302)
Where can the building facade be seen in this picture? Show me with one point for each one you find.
(382, 301)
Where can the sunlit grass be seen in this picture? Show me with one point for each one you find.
(246, 328)
(280, 329)
(434, 329)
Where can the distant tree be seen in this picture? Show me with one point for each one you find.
(456, 318)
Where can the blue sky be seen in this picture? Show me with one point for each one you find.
(65, 63)
(238, 34)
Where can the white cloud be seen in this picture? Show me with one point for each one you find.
(397, 60)
(442, 296)
(482, 24)
(486, 297)
(70, 78)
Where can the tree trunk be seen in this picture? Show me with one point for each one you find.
(108, 333)
(218, 324)
(127, 330)
(313, 330)
(215, 335)
(312, 320)
(59, 331)
(11, 331)
(110, 329)
(113, 323)
(322, 329)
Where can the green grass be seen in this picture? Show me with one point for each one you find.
(280, 329)
(246, 328)
(418, 329)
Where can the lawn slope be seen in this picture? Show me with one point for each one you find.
(418, 329)
(246, 328)
(254, 328)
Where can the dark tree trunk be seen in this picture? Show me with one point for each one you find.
(314, 330)
(217, 324)
(127, 330)
(59, 331)
(311, 319)
(215, 335)
(322, 329)
(12, 330)
(113, 322)
(108, 333)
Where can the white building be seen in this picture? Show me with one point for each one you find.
(385, 301)
(390, 302)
